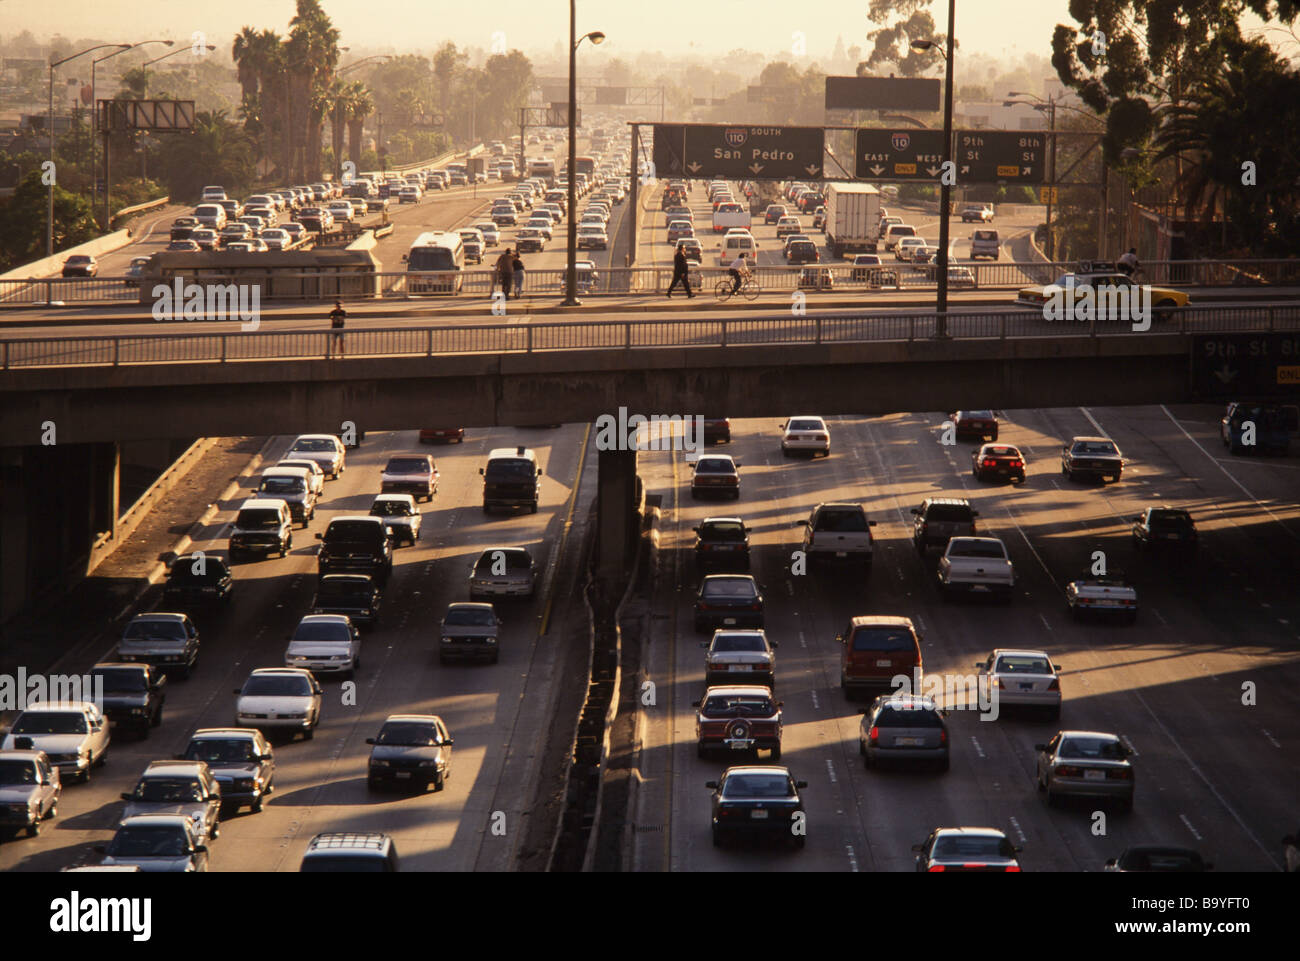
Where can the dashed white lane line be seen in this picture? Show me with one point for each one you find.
(816, 705)
(1271, 739)
(1019, 832)
(1195, 833)
(853, 858)
(830, 771)
(978, 750)
(1043, 617)
(802, 641)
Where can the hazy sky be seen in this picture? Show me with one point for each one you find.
(993, 27)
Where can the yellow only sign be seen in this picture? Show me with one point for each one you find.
(1048, 195)
(1012, 171)
(1288, 375)
(904, 168)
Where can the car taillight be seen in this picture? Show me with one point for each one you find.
(989, 462)
(1055, 685)
(935, 867)
(1013, 867)
(756, 606)
(873, 735)
(1017, 463)
(1067, 770)
(1001, 685)
(1123, 774)
(1129, 602)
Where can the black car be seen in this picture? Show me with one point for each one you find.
(939, 519)
(755, 801)
(354, 595)
(1095, 457)
(1151, 858)
(196, 580)
(80, 265)
(182, 227)
(722, 543)
(802, 252)
(134, 694)
(240, 759)
(728, 600)
(717, 430)
(1164, 527)
(356, 545)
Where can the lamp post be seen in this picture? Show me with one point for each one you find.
(49, 223)
(94, 180)
(941, 258)
(571, 262)
(145, 66)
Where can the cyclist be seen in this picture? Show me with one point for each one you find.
(739, 271)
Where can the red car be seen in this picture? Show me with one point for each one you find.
(982, 424)
(444, 434)
(738, 718)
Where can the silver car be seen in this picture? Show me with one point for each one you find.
(966, 849)
(469, 631)
(324, 644)
(325, 449)
(903, 727)
(401, 517)
(29, 791)
(740, 657)
(1021, 678)
(157, 843)
(279, 699)
(410, 749)
(1085, 764)
(315, 474)
(503, 571)
(73, 734)
(186, 788)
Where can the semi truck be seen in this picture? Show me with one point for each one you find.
(852, 216)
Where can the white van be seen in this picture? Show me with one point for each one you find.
(210, 215)
(896, 232)
(212, 194)
(434, 264)
(734, 244)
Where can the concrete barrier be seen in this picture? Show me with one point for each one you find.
(50, 266)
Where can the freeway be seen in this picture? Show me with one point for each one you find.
(1215, 768)
(499, 715)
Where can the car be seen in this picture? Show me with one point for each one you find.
(276, 238)
(903, 727)
(819, 218)
(893, 233)
(355, 596)
(400, 515)
(157, 843)
(263, 525)
(753, 801)
(959, 277)
(692, 249)
(212, 216)
(938, 519)
(293, 485)
(410, 194)
(504, 215)
(908, 247)
(80, 265)
(1157, 858)
(473, 242)
(717, 430)
(325, 643)
(197, 580)
(325, 449)
(976, 565)
(1085, 764)
(233, 233)
(787, 226)
(213, 193)
(1266, 428)
(799, 251)
(1164, 300)
(738, 717)
(73, 734)
(805, 433)
(186, 788)
(592, 237)
(279, 699)
(205, 238)
(137, 269)
(183, 246)
(240, 760)
(773, 213)
(254, 245)
(732, 653)
(838, 532)
(977, 213)
(1094, 457)
(134, 694)
(414, 474)
(998, 460)
(1164, 528)
(446, 434)
(679, 230)
(876, 648)
(511, 479)
(352, 851)
(469, 631)
(295, 230)
(966, 849)
(1023, 678)
(721, 543)
(30, 789)
(728, 600)
(167, 641)
(981, 425)
(870, 269)
(542, 224)
(715, 474)
(411, 750)
(1108, 595)
(343, 210)
(502, 572)
(530, 239)
(315, 476)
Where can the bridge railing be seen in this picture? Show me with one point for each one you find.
(266, 345)
(811, 279)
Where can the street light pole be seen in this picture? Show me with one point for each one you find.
(1051, 177)
(941, 301)
(571, 259)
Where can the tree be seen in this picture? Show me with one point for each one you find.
(911, 20)
(448, 63)
(360, 106)
(23, 221)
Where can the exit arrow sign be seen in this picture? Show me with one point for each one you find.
(693, 167)
(812, 169)
(755, 168)
(932, 171)
(877, 170)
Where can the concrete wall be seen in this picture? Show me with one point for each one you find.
(52, 266)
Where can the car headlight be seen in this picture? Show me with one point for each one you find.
(380, 762)
(427, 763)
(137, 710)
(491, 640)
(446, 640)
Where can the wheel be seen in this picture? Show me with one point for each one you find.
(723, 290)
(751, 291)
(284, 548)
(85, 775)
(439, 781)
(256, 806)
(1038, 783)
(215, 832)
(775, 754)
(156, 719)
(717, 838)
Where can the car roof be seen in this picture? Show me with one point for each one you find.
(117, 665)
(881, 620)
(973, 832)
(1019, 652)
(292, 671)
(1100, 734)
(60, 706)
(174, 768)
(356, 517)
(738, 630)
(243, 733)
(721, 520)
(511, 452)
(355, 842)
(505, 550)
(286, 471)
(323, 619)
(160, 616)
(757, 769)
(266, 503)
(948, 501)
(393, 497)
(156, 820)
(427, 718)
(313, 437)
(1098, 440)
(476, 605)
(746, 690)
(728, 577)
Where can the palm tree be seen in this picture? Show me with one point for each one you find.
(313, 54)
(337, 96)
(245, 50)
(360, 106)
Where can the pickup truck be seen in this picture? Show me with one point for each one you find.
(976, 565)
(838, 532)
(728, 215)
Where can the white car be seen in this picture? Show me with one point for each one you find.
(315, 476)
(73, 734)
(1023, 678)
(541, 223)
(342, 210)
(490, 231)
(400, 515)
(274, 238)
(324, 644)
(907, 247)
(592, 237)
(1110, 595)
(805, 433)
(279, 699)
(409, 194)
(325, 449)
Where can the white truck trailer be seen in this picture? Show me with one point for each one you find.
(852, 216)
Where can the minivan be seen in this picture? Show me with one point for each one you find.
(876, 649)
(210, 215)
(985, 243)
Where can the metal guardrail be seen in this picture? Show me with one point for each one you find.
(263, 345)
(812, 278)
(139, 208)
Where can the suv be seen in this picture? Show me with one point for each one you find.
(877, 649)
(838, 532)
(73, 734)
(196, 579)
(356, 545)
(940, 518)
(133, 694)
(351, 852)
(414, 474)
(264, 525)
(162, 640)
(293, 485)
(510, 479)
(985, 243)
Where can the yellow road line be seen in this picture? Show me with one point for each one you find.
(564, 535)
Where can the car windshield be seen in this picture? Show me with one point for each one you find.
(510, 469)
(977, 846)
(121, 680)
(845, 521)
(352, 532)
(276, 685)
(144, 629)
(1001, 452)
(737, 705)
(408, 734)
(220, 751)
(1101, 748)
(729, 531)
(344, 592)
(209, 572)
(912, 714)
(727, 643)
(282, 485)
(255, 518)
(757, 785)
(407, 465)
(315, 445)
(1094, 447)
(167, 790)
(737, 587)
(974, 548)
(883, 639)
(470, 617)
(144, 842)
(390, 509)
(50, 722)
(1170, 520)
(1022, 664)
(17, 772)
(985, 235)
(321, 630)
(714, 465)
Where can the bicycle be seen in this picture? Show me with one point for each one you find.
(749, 289)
